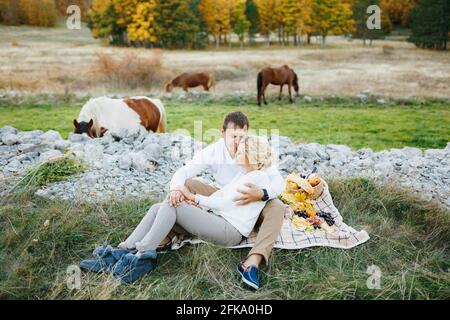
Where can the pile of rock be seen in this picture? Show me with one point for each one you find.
(134, 163)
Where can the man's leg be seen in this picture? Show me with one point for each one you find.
(198, 187)
(272, 220)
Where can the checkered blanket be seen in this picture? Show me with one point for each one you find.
(344, 237)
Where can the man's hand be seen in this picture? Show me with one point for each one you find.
(252, 194)
(175, 198)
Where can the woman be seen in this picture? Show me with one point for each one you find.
(217, 218)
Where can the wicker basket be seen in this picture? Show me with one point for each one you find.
(318, 190)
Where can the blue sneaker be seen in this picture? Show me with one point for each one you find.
(249, 275)
(105, 259)
(131, 268)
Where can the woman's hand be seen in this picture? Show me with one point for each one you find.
(187, 194)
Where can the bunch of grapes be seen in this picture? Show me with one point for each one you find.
(327, 217)
(301, 214)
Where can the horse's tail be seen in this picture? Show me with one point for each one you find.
(259, 86)
(212, 82)
(162, 127)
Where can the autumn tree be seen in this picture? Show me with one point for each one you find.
(304, 15)
(217, 17)
(332, 17)
(176, 24)
(102, 20)
(124, 21)
(10, 12)
(267, 10)
(297, 17)
(142, 28)
(398, 11)
(239, 21)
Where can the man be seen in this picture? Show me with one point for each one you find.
(219, 159)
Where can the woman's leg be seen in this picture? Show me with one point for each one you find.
(160, 228)
(207, 226)
(142, 229)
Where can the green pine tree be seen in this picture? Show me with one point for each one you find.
(251, 12)
(360, 16)
(177, 26)
(201, 39)
(430, 24)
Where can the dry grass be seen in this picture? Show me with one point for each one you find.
(129, 71)
(59, 60)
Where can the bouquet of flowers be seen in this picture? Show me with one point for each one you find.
(301, 194)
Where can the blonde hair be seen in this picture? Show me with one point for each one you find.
(258, 151)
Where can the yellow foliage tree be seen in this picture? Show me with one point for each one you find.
(239, 21)
(41, 13)
(304, 22)
(217, 17)
(142, 26)
(332, 17)
(297, 16)
(268, 11)
(398, 11)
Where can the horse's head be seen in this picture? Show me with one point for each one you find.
(84, 127)
(169, 86)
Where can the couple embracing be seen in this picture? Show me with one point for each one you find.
(243, 166)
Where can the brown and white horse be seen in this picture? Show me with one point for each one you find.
(192, 80)
(279, 77)
(101, 114)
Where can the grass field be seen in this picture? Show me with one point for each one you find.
(423, 125)
(408, 244)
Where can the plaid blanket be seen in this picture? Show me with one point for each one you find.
(344, 237)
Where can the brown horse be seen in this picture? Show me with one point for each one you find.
(278, 77)
(192, 80)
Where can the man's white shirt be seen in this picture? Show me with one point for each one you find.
(217, 159)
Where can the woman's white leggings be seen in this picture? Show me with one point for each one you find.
(162, 218)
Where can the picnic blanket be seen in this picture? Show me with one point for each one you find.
(344, 237)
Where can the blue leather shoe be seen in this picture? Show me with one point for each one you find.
(249, 275)
(131, 268)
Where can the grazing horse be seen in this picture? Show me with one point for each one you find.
(192, 80)
(279, 77)
(101, 114)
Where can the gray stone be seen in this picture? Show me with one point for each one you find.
(51, 135)
(48, 155)
(10, 139)
(73, 137)
(125, 162)
(62, 145)
(412, 152)
(7, 130)
(152, 151)
(117, 133)
(139, 160)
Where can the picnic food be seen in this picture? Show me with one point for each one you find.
(301, 194)
(314, 181)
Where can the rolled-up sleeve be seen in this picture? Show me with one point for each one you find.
(200, 162)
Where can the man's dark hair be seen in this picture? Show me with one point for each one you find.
(237, 118)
